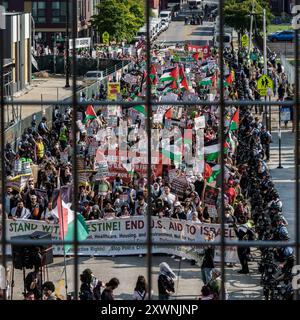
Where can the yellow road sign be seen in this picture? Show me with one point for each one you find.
(263, 83)
(105, 38)
(245, 41)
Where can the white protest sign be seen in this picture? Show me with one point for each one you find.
(199, 122)
(133, 228)
(170, 96)
(129, 78)
(102, 168)
(158, 118)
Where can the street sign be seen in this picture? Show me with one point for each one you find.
(80, 43)
(105, 38)
(2, 18)
(245, 41)
(263, 83)
(285, 114)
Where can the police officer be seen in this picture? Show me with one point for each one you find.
(285, 256)
(265, 139)
(243, 233)
(280, 232)
(63, 136)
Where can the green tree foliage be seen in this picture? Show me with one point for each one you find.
(120, 18)
(237, 14)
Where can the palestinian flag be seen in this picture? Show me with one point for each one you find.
(171, 152)
(181, 73)
(90, 114)
(207, 171)
(184, 85)
(234, 124)
(170, 75)
(185, 141)
(168, 114)
(153, 75)
(196, 56)
(206, 81)
(229, 79)
(67, 218)
(164, 90)
(174, 85)
(215, 171)
(140, 109)
(212, 150)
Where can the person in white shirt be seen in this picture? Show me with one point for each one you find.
(140, 291)
(49, 214)
(167, 196)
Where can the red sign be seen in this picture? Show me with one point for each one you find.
(205, 50)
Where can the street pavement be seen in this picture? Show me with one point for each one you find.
(128, 268)
(44, 89)
(178, 32)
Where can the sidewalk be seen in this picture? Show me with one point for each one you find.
(43, 89)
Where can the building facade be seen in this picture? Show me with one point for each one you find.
(281, 6)
(49, 18)
(17, 51)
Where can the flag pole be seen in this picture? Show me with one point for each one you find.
(63, 233)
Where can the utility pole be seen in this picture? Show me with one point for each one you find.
(251, 26)
(265, 63)
(67, 85)
(265, 43)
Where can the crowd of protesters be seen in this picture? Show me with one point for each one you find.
(43, 159)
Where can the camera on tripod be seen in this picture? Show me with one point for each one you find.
(32, 255)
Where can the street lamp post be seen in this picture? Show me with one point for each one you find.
(33, 32)
(67, 85)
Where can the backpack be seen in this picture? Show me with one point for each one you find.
(85, 292)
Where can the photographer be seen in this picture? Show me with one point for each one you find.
(90, 288)
(243, 233)
(208, 259)
(33, 283)
(165, 281)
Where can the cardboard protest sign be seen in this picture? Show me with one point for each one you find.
(200, 123)
(211, 195)
(179, 185)
(102, 168)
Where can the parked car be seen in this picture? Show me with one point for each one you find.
(166, 15)
(92, 76)
(285, 35)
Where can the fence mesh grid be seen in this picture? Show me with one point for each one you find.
(221, 102)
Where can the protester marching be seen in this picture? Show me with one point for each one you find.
(111, 158)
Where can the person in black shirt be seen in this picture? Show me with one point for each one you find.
(208, 259)
(199, 185)
(165, 281)
(107, 293)
(33, 283)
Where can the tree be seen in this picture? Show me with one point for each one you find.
(120, 18)
(237, 14)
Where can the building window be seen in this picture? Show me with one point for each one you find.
(58, 12)
(39, 11)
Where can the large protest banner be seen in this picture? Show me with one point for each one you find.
(133, 229)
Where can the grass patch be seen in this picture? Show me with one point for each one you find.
(278, 27)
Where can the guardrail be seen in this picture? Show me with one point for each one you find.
(13, 133)
(288, 69)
